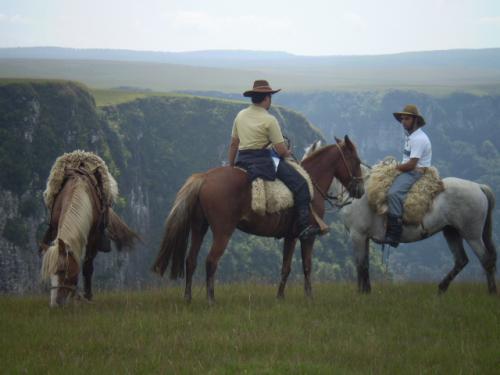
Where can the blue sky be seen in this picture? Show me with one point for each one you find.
(313, 27)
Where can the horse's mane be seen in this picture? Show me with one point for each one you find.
(74, 226)
(314, 153)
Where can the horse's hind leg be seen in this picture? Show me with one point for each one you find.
(288, 249)
(216, 251)
(306, 250)
(87, 271)
(455, 243)
(487, 260)
(199, 228)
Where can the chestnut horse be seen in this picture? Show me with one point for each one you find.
(221, 199)
(78, 219)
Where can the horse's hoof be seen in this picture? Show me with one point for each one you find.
(187, 298)
(442, 288)
(280, 296)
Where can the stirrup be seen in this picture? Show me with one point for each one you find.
(388, 240)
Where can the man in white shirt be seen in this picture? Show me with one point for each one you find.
(417, 155)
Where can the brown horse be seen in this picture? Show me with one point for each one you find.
(221, 199)
(79, 216)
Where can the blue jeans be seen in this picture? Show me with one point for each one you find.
(398, 191)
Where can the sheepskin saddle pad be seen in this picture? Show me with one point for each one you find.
(79, 159)
(273, 196)
(419, 198)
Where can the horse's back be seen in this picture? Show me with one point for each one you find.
(465, 191)
(463, 203)
(225, 187)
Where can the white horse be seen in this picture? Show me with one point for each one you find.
(463, 211)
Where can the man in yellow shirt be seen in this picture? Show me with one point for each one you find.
(254, 131)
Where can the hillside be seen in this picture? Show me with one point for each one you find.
(152, 144)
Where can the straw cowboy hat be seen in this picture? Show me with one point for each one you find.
(260, 86)
(410, 110)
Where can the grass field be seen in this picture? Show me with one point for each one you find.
(402, 328)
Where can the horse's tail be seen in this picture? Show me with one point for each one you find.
(119, 232)
(177, 228)
(488, 226)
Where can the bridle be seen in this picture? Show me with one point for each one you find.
(337, 201)
(72, 288)
(353, 180)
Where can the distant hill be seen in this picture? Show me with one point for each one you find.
(437, 72)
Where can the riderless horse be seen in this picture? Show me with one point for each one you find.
(80, 216)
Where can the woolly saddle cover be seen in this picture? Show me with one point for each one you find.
(274, 196)
(419, 198)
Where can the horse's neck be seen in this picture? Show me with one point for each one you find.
(321, 167)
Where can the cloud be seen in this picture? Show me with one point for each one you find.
(201, 21)
(15, 19)
(355, 20)
(492, 20)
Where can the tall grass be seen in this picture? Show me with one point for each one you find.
(403, 328)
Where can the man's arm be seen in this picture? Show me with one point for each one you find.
(282, 150)
(410, 165)
(233, 149)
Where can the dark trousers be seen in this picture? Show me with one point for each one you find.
(296, 183)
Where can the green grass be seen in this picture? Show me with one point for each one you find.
(107, 97)
(402, 328)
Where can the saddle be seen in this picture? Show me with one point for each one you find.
(419, 199)
(102, 186)
(274, 196)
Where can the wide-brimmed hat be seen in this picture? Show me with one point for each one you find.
(410, 110)
(260, 86)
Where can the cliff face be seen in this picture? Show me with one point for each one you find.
(151, 146)
(38, 122)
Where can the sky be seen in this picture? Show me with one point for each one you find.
(307, 27)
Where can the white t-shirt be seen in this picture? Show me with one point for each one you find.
(418, 145)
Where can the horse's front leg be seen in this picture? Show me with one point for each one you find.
(360, 245)
(288, 249)
(87, 271)
(306, 250)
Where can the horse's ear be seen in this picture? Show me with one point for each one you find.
(338, 140)
(62, 245)
(42, 247)
(348, 142)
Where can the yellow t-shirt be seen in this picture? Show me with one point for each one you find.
(255, 128)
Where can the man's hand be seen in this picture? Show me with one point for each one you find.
(233, 149)
(409, 166)
(282, 150)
